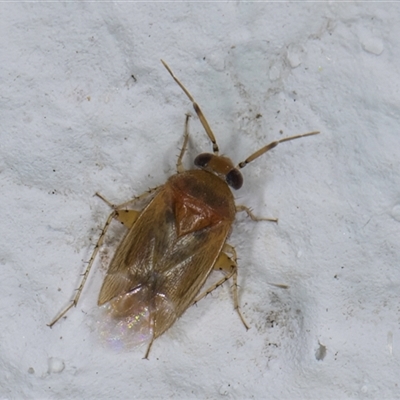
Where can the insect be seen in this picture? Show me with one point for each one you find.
(174, 243)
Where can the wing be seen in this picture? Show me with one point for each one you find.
(165, 257)
(168, 253)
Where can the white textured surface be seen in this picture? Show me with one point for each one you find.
(74, 122)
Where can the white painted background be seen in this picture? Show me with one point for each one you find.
(74, 122)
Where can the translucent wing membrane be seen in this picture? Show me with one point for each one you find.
(127, 321)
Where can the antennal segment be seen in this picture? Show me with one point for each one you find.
(270, 146)
(196, 107)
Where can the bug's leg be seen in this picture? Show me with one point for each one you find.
(252, 216)
(122, 214)
(146, 356)
(137, 199)
(227, 265)
(128, 218)
(179, 166)
(75, 300)
(196, 107)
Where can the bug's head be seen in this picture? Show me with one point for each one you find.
(221, 166)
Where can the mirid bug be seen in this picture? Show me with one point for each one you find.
(173, 243)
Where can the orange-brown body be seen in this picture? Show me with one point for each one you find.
(170, 250)
(173, 244)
